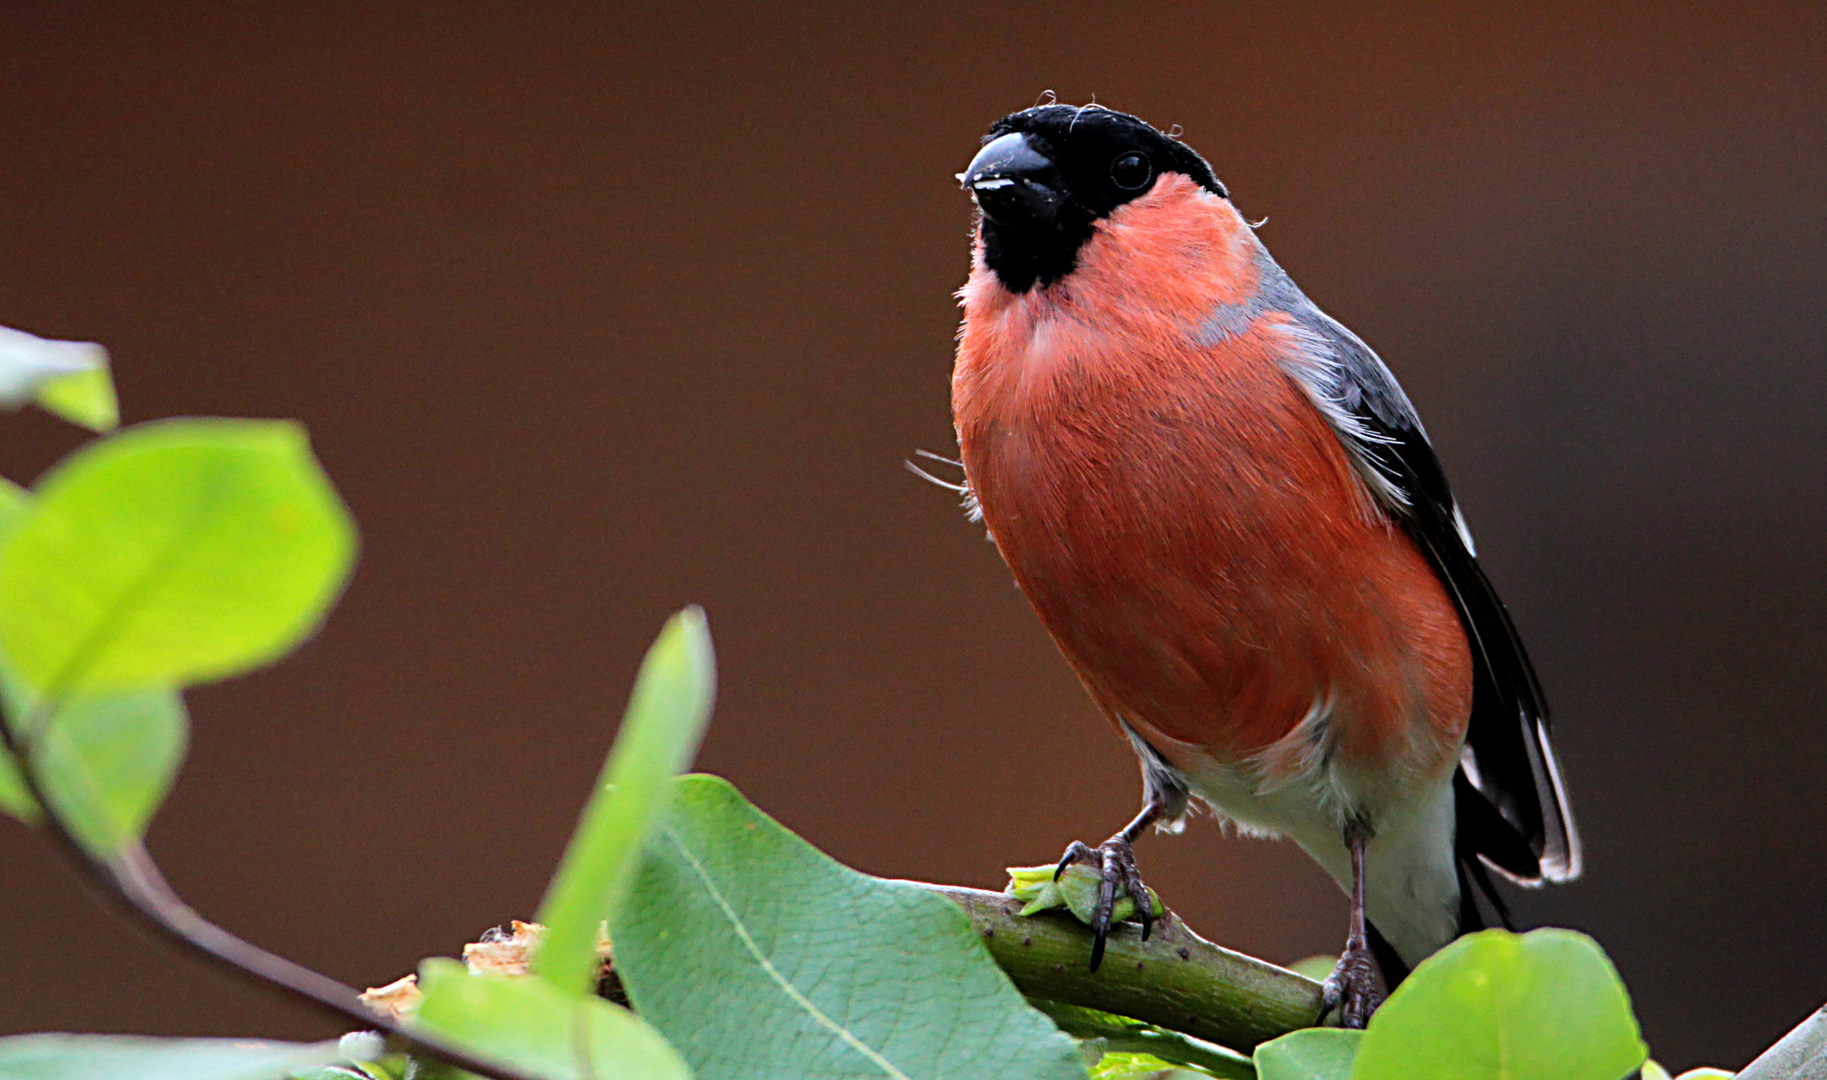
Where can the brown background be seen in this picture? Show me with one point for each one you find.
(595, 311)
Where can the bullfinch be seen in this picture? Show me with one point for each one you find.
(1228, 516)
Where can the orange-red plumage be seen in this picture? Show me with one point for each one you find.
(1182, 517)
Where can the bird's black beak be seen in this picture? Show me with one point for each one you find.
(1015, 184)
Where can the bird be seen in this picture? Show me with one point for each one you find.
(1226, 512)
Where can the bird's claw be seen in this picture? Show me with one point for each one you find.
(1351, 989)
(1116, 863)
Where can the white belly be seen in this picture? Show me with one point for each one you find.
(1411, 891)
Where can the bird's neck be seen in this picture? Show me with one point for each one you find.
(1157, 275)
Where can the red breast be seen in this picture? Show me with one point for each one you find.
(1182, 517)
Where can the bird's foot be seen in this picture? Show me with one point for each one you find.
(1352, 988)
(1115, 862)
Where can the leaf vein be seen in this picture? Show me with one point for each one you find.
(774, 973)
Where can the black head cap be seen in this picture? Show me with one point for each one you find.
(1047, 174)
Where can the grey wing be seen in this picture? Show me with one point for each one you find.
(1513, 809)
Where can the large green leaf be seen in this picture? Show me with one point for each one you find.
(532, 1027)
(1546, 1005)
(171, 553)
(660, 733)
(134, 1057)
(1308, 1054)
(760, 957)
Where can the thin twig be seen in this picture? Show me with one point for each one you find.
(134, 882)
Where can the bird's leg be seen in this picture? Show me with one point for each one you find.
(1115, 859)
(1352, 987)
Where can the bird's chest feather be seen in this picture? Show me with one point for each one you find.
(1190, 531)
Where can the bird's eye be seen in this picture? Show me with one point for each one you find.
(1131, 172)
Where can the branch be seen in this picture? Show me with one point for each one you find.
(1799, 1055)
(134, 882)
(1175, 980)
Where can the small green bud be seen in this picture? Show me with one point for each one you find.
(1076, 891)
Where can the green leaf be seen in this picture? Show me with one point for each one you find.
(134, 1057)
(70, 378)
(660, 733)
(14, 798)
(1308, 1054)
(14, 502)
(394, 1068)
(1122, 1066)
(107, 763)
(85, 398)
(171, 553)
(364, 1057)
(532, 1027)
(761, 957)
(1546, 1005)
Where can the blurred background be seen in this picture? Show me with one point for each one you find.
(594, 311)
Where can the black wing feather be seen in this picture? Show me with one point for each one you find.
(1512, 810)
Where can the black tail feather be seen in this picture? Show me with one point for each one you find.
(1470, 918)
(1481, 830)
(1468, 901)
